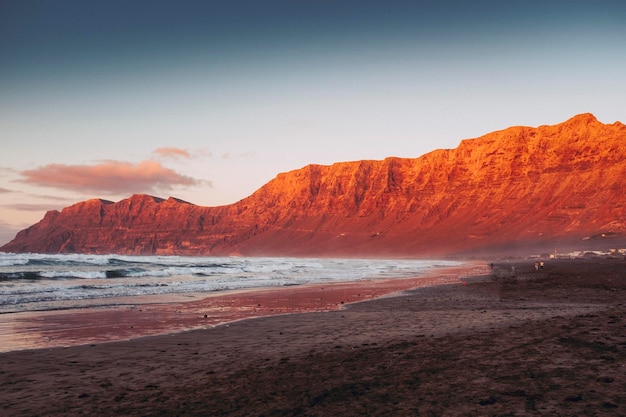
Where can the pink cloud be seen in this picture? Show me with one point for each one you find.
(177, 153)
(111, 177)
(229, 155)
(30, 207)
(203, 152)
(170, 152)
(51, 197)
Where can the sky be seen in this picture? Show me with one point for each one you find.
(206, 101)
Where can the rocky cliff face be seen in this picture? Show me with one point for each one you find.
(541, 187)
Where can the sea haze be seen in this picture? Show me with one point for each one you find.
(37, 282)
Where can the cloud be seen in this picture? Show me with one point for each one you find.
(243, 155)
(29, 207)
(204, 153)
(7, 170)
(4, 190)
(112, 177)
(170, 152)
(173, 153)
(51, 197)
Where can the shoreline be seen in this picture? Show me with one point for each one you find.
(547, 342)
(81, 326)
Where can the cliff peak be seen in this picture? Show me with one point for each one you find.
(145, 198)
(583, 118)
(174, 200)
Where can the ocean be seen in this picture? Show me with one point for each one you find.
(65, 300)
(38, 282)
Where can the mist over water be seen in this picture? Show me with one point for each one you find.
(37, 282)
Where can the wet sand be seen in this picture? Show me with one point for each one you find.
(548, 342)
(131, 317)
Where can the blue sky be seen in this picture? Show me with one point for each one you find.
(207, 101)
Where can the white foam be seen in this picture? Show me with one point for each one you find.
(80, 277)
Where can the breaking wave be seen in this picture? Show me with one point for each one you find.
(31, 282)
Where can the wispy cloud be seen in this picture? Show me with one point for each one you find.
(51, 197)
(6, 170)
(112, 177)
(177, 154)
(5, 190)
(30, 207)
(171, 152)
(230, 155)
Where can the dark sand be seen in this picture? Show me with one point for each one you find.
(548, 342)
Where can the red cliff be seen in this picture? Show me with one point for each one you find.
(552, 185)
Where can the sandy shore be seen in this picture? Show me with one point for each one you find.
(548, 342)
(132, 317)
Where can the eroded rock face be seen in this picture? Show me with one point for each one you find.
(540, 187)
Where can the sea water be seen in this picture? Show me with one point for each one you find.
(38, 282)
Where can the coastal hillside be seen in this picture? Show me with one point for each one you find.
(518, 189)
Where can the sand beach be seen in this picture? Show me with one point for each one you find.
(547, 342)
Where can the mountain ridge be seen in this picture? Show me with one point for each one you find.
(518, 186)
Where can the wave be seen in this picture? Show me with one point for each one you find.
(30, 282)
(25, 275)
